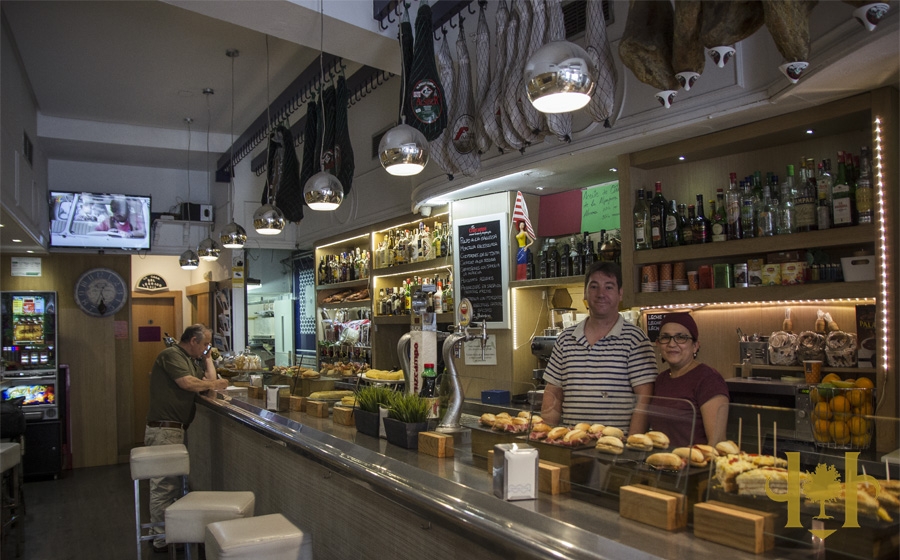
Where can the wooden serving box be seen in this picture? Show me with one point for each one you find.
(660, 508)
(738, 527)
(435, 444)
(343, 415)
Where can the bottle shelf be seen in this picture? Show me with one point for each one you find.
(343, 285)
(405, 320)
(545, 282)
(360, 304)
(824, 291)
(440, 262)
(836, 237)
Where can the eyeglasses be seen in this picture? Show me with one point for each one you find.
(679, 338)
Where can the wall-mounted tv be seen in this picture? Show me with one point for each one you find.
(99, 221)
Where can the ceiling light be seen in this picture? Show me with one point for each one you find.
(559, 78)
(680, 158)
(403, 151)
(189, 260)
(268, 220)
(16, 240)
(208, 250)
(614, 169)
(810, 131)
(233, 236)
(253, 283)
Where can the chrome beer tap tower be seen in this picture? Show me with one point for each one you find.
(451, 351)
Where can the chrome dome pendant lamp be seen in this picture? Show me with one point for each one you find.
(403, 150)
(323, 191)
(208, 250)
(268, 219)
(189, 260)
(559, 78)
(232, 236)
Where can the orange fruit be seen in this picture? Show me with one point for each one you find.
(857, 397)
(861, 441)
(822, 411)
(831, 378)
(858, 425)
(839, 432)
(864, 383)
(864, 409)
(839, 404)
(820, 430)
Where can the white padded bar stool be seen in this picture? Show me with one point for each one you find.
(152, 462)
(272, 537)
(187, 518)
(10, 460)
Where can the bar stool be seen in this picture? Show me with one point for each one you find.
(187, 518)
(272, 537)
(10, 461)
(153, 462)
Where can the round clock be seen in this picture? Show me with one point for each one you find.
(101, 292)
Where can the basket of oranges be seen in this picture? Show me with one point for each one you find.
(842, 412)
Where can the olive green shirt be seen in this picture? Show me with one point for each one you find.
(168, 401)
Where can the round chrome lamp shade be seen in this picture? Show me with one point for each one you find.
(559, 78)
(208, 250)
(189, 260)
(323, 191)
(233, 236)
(268, 220)
(403, 151)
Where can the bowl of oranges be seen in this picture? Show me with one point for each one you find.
(842, 412)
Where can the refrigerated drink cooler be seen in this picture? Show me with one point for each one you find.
(29, 373)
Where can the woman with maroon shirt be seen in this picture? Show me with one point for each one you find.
(688, 380)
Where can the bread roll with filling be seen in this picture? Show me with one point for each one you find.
(609, 444)
(575, 437)
(727, 448)
(692, 455)
(667, 461)
(614, 432)
(557, 433)
(660, 440)
(583, 426)
(488, 419)
(709, 452)
(596, 429)
(641, 442)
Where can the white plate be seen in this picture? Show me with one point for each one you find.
(389, 381)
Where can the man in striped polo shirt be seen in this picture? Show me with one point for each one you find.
(602, 369)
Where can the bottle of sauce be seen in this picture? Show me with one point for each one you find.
(429, 389)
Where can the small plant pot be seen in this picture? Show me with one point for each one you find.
(404, 434)
(366, 422)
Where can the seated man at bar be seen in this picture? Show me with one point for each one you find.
(602, 369)
(689, 380)
(179, 373)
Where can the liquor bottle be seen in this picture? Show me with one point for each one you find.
(564, 262)
(787, 217)
(733, 207)
(766, 219)
(448, 302)
(805, 198)
(429, 379)
(748, 217)
(823, 191)
(658, 218)
(701, 227)
(438, 298)
(587, 254)
(552, 260)
(687, 224)
(865, 198)
(575, 260)
(673, 225)
(842, 203)
(642, 235)
(407, 295)
(717, 218)
(322, 270)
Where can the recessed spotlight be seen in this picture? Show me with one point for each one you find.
(540, 188)
(810, 131)
(614, 169)
(16, 240)
(2, 225)
(680, 158)
(29, 251)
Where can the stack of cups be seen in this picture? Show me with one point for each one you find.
(679, 277)
(650, 278)
(665, 277)
(693, 280)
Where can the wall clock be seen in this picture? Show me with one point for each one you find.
(101, 292)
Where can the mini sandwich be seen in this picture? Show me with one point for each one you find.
(583, 426)
(609, 444)
(557, 434)
(691, 455)
(709, 452)
(596, 430)
(524, 414)
(660, 440)
(502, 424)
(518, 425)
(613, 432)
(575, 438)
(536, 420)
(539, 431)
(727, 448)
(504, 415)
(488, 419)
(641, 442)
(665, 461)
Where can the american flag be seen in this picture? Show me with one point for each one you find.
(520, 214)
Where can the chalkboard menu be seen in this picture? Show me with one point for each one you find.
(481, 252)
(654, 322)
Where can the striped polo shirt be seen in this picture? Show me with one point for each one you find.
(597, 381)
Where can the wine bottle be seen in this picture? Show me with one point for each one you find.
(658, 218)
(701, 227)
(673, 225)
(733, 207)
(865, 198)
(842, 209)
(642, 235)
(687, 221)
(718, 220)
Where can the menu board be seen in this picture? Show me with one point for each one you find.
(654, 322)
(481, 257)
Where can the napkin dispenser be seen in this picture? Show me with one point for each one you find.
(274, 395)
(515, 471)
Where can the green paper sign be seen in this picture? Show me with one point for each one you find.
(600, 207)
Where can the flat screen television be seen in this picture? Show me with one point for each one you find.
(99, 221)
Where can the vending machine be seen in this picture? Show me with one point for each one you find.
(29, 374)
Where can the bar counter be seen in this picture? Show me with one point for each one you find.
(360, 496)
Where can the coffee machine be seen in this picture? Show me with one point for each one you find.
(541, 348)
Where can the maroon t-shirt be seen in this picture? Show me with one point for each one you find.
(674, 418)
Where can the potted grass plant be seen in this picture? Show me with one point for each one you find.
(408, 415)
(369, 400)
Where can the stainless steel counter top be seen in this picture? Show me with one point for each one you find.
(459, 490)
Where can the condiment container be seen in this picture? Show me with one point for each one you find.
(515, 471)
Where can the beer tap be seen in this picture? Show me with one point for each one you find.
(451, 351)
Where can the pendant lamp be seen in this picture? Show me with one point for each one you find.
(403, 150)
(268, 219)
(323, 191)
(559, 78)
(233, 236)
(189, 260)
(208, 250)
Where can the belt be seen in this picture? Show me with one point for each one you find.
(166, 424)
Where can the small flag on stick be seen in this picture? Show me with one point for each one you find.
(520, 214)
